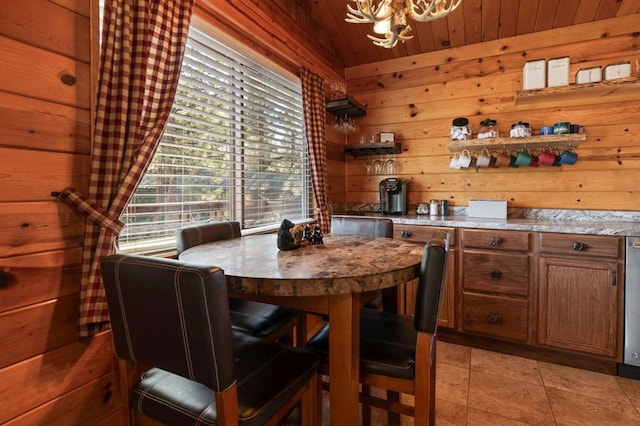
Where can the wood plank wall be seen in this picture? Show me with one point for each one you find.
(418, 97)
(46, 375)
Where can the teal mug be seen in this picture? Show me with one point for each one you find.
(514, 159)
(523, 158)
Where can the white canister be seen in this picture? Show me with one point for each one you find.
(558, 72)
(434, 206)
(534, 75)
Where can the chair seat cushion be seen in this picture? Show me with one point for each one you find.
(268, 374)
(387, 344)
(259, 319)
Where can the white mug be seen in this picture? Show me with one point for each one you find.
(484, 158)
(455, 163)
(465, 159)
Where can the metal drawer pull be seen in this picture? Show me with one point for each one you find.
(405, 234)
(494, 318)
(5, 279)
(494, 242)
(577, 246)
(495, 274)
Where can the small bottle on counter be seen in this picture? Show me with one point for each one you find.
(444, 208)
(434, 206)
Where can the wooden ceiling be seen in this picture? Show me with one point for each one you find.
(474, 21)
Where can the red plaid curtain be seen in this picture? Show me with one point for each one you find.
(315, 122)
(142, 49)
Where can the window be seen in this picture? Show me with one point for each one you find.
(234, 148)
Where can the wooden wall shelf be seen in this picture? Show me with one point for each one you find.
(623, 87)
(531, 142)
(346, 107)
(373, 149)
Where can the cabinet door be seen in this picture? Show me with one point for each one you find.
(578, 305)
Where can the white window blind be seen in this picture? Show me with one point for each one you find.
(234, 148)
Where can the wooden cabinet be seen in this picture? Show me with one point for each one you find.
(419, 235)
(580, 293)
(495, 277)
(557, 294)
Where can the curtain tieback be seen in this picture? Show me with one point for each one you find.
(90, 209)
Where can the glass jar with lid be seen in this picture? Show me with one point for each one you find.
(460, 129)
(520, 130)
(488, 129)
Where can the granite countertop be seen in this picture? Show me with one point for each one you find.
(592, 222)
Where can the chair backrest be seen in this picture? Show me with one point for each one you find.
(206, 233)
(359, 225)
(172, 316)
(431, 283)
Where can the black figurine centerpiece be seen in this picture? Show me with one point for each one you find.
(286, 240)
(291, 237)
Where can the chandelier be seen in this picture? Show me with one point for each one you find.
(389, 17)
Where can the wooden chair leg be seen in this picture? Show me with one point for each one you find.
(301, 331)
(366, 408)
(311, 403)
(129, 376)
(425, 381)
(227, 406)
(393, 419)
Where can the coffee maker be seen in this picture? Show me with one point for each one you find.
(393, 196)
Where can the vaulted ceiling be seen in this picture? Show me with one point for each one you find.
(474, 21)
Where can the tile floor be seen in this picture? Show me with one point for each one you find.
(476, 387)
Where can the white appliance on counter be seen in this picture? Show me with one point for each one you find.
(631, 358)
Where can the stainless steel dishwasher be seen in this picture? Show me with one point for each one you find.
(631, 359)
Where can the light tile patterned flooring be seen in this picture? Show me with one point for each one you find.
(476, 387)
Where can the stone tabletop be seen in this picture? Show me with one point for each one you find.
(343, 264)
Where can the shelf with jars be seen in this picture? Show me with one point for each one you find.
(573, 139)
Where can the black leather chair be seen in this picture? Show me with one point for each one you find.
(362, 225)
(398, 352)
(386, 299)
(175, 319)
(257, 319)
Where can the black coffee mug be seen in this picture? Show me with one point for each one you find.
(576, 128)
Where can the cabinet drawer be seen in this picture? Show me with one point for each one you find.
(581, 245)
(496, 272)
(495, 316)
(421, 234)
(495, 239)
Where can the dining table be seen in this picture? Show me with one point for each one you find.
(333, 279)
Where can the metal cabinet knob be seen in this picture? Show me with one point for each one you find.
(578, 246)
(405, 234)
(495, 242)
(5, 279)
(495, 274)
(494, 318)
